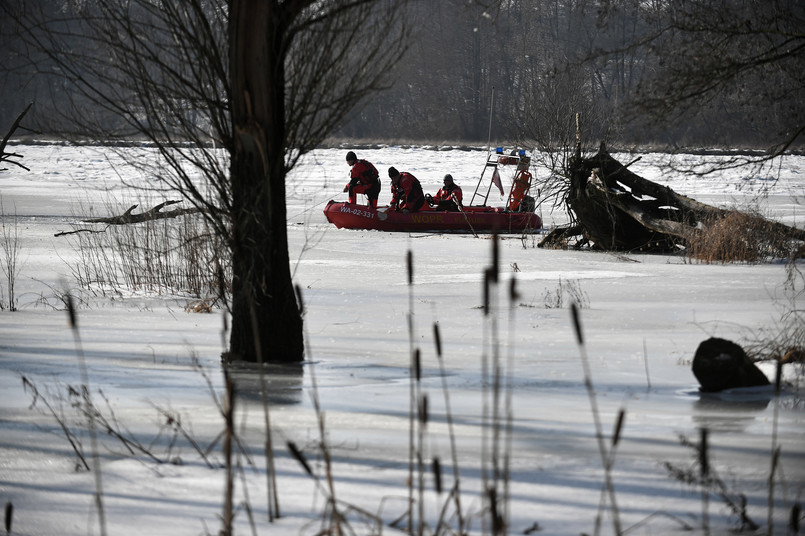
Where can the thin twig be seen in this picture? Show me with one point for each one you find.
(74, 442)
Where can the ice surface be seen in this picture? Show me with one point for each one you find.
(643, 318)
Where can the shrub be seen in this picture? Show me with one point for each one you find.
(165, 256)
(737, 236)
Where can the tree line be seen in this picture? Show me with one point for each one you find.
(666, 73)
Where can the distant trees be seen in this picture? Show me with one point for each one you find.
(520, 60)
(668, 73)
(263, 80)
(440, 90)
(665, 73)
(733, 69)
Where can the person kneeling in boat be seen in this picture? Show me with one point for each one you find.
(363, 179)
(407, 192)
(448, 197)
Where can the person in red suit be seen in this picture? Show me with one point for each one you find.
(406, 190)
(448, 197)
(363, 179)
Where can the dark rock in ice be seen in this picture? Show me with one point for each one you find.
(720, 364)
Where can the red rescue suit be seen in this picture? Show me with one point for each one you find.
(407, 193)
(448, 197)
(363, 179)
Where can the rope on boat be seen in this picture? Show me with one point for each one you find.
(289, 218)
(464, 213)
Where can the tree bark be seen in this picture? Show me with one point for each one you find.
(266, 321)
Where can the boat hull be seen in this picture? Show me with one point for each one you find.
(471, 220)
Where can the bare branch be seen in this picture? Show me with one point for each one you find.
(7, 157)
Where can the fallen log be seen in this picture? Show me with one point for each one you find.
(154, 213)
(617, 210)
(128, 217)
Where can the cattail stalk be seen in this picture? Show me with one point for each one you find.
(96, 459)
(778, 377)
(8, 518)
(599, 435)
(616, 435)
(412, 386)
(793, 520)
(437, 338)
(229, 435)
(645, 363)
(704, 473)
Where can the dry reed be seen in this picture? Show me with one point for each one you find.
(167, 256)
(736, 236)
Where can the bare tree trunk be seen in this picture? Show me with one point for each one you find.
(266, 322)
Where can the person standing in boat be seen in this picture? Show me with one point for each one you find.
(407, 192)
(363, 179)
(449, 196)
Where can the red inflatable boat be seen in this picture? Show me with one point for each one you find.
(516, 217)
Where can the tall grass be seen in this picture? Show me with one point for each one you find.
(737, 236)
(784, 341)
(566, 291)
(166, 256)
(10, 248)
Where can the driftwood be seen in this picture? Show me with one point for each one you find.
(129, 217)
(618, 210)
(149, 215)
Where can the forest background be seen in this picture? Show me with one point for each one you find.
(532, 65)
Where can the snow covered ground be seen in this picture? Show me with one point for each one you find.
(643, 317)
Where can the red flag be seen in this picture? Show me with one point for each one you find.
(496, 181)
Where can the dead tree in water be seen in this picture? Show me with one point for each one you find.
(616, 209)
